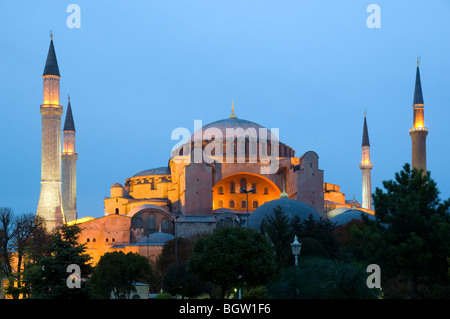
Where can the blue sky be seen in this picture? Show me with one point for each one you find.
(136, 70)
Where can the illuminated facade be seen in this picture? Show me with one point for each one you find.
(218, 176)
(190, 196)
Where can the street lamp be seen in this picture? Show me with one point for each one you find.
(176, 241)
(296, 247)
(245, 191)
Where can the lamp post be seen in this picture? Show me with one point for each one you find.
(245, 191)
(176, 241)
(296, 247)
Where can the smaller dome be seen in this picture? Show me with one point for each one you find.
(116, 185)
(290, 207)
(334, 212)
(349, 215)
(159, 238)
(154, 171)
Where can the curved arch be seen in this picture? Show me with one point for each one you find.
(140, 208)
(250, 174)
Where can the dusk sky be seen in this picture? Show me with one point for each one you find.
(137, 70)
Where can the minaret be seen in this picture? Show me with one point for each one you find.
(50, 202)
(366, 166)
(69, 167)
(418, 132)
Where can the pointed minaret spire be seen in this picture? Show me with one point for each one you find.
(69, 125)
(365, 140)
(418, 97)
(366, 167)
(51, 65)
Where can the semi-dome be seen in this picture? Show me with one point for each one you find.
(349, 215)
(290, 207)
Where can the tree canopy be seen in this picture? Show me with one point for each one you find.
(117, 272)
(47, 275)
(410, 237)
(232, 256)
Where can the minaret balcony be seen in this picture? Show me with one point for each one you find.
(418, 129)
(365, 165)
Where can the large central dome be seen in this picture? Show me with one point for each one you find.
(237, 130)
(251, 129)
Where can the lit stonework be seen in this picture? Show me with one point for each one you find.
(50, 200)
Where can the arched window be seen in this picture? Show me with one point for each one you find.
(138, 222)
(244, 183)
(220, 190)
(220, 203)
(255, 204)
(232, 187)
(151, 221)
(228, 222)
(231, 203)
(244, 204)
(165, 224)
(117, 211)
(254, 186)
(266, 190)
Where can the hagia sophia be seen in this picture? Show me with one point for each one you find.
(189, 197)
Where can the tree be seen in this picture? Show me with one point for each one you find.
(321, 230)
(167, 257)
(410, 237)
(319, 278)
(277, 227)
(281, 231)
(116, 273)
(6, 236)
(232, 256)
(179, 281)
(47, 276)
(16, 235)
(26, 228)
